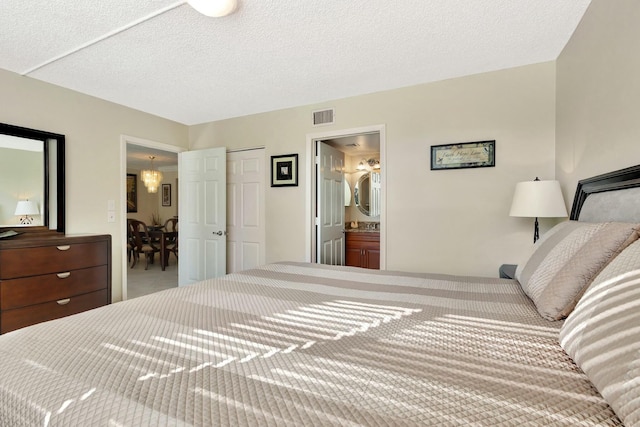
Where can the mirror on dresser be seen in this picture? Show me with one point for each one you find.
(31, 170)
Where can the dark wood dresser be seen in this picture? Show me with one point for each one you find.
(51, 276)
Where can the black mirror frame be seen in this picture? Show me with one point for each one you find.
(60, 168)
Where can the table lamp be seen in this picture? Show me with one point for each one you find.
(25, 209)
(538, 199)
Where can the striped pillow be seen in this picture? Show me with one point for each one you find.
(601, 335)
(566, 263)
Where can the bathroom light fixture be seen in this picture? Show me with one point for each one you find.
(214, 8)
(537, 198)
(26, 208)
(368, 164)
(151, 178)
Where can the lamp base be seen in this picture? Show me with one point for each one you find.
(536, 231)
(26, 220)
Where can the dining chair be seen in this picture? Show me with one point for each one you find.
(130, 244)
(142, 243)
(171, 244)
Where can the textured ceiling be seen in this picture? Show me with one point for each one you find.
(163, 57)
(138, 158)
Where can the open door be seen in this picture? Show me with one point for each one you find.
(330, 205)
(202, 214)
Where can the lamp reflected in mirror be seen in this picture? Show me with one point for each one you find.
(26, 209)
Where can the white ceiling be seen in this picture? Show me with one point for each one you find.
(138, 158)
(163, 57)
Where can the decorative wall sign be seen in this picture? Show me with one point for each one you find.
(284, 170)
(480, 154)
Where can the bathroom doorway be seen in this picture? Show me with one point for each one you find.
(364, 190)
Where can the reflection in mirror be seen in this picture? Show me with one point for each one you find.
(367, 194)
(22, 177)
(347, 193)
(31, 169)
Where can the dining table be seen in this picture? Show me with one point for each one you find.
(163, 237)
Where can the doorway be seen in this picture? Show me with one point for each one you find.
(135, 154)
(364, 146)
(251, 164)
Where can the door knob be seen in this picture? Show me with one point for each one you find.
(220, 233)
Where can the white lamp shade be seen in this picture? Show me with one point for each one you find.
(541, 199)
(27, 207)
(214, 8)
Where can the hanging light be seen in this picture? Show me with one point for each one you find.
(214, 8)
(151, 178)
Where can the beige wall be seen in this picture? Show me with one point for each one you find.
(598, 96)
(93, 128)
(452, 221)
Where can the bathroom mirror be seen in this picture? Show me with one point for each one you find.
(367, 194)
(32, 168)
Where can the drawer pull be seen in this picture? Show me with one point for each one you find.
(64, 275)
(63, 301)
(63, 248)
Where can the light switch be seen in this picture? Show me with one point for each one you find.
(111, 216)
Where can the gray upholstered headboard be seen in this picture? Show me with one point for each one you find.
(614, 196)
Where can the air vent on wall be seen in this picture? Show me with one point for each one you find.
(323, 117)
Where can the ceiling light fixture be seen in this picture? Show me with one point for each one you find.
(214, 8)
(151, 178)
(372, 164)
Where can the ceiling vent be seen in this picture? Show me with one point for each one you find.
(323, 117)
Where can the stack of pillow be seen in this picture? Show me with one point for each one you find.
(589, 273)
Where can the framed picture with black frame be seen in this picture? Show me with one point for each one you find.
(132, 192)
(166, 194)
(478, 154)
(284, 170)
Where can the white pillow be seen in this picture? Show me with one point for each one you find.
(602, 334)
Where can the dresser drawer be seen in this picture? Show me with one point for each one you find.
(21, 317)
(24, 262)
(15, 293)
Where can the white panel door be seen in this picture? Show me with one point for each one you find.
(330, 181)
(246, 229)
(202, 214)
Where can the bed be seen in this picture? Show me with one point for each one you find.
(306, 344)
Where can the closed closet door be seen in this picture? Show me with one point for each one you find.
(246, 229)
